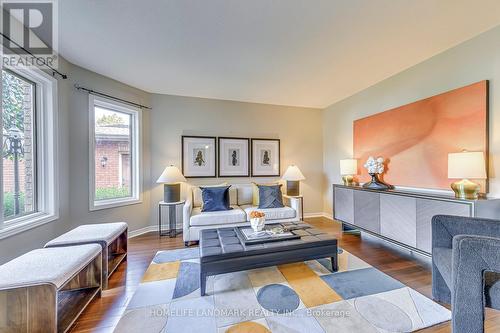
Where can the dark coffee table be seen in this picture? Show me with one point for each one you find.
(222, 250)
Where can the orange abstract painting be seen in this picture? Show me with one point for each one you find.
(415, 139)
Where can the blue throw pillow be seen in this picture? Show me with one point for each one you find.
(270, 196)
(215, 198)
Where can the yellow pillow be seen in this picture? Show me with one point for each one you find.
(255, 195)
(255, 192)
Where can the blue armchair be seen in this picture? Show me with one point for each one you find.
(466, 268)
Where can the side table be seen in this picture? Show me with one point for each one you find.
(172, 218)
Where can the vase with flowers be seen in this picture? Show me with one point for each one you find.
(257, 220)
(375, 167)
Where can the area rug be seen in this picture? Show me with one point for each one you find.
(298, 297)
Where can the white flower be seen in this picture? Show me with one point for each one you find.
(375, 165)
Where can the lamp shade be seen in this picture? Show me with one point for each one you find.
(293, 174)
(171, 175)
(466, 165)
(348, 167)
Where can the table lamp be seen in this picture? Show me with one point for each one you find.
(171, 177)
(293, 176)
(466, 165)
(348, 168)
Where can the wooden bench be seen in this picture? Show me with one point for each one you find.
(112, 237)
(45, 290)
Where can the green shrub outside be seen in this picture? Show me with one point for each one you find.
(103, 193)
(8, 204)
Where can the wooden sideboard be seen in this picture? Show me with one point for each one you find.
(403, 217)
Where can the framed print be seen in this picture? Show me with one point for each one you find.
(234, 157)
(265, 157)
(198, 156)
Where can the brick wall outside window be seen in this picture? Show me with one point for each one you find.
(109, 175)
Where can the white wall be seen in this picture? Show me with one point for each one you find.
(299, 130)
(74, 166)
(475, 60)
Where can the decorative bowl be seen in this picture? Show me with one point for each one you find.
(257, 223)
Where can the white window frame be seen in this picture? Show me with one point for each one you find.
(47, 195)
(135, 153)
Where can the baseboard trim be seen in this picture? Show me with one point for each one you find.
(328, 216)
(319, 214)
(142, 231)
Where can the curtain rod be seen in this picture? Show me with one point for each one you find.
(44, 63)
(97, 93)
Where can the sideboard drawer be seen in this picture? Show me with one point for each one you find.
(344, 205)
(367, 210)
(398, 218)
(426, 209)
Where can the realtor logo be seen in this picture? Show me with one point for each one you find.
(29, 32)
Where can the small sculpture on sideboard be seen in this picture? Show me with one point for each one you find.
(375, 167)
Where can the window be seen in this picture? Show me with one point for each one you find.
(28, 195)
(114, 154)
(19, 146)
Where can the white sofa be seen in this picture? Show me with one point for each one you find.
(241, 196)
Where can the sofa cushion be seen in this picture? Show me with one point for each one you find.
(271, 213)
(442, 258)
(270, 196)
(245, 193)
(255, 194)
(215, 198)
(199, 218)
(198, 199)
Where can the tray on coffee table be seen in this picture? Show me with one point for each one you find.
(269, 234)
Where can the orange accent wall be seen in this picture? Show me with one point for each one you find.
(416, 138)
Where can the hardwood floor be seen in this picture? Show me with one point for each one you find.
(103, 314)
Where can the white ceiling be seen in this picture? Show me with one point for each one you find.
(288, 52)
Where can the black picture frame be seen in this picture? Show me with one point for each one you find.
(278, 174)
(219, 173)
(183, 166)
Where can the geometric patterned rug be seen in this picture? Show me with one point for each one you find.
(298, 297)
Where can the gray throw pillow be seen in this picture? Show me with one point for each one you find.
(270, 196)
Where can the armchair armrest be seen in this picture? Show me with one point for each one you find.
(473, 256)
(293, 202)
(445, 227)
(186, 215)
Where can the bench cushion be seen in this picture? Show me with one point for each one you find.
(90, 233)
(271, 213)
(199, 218)
(49, 265)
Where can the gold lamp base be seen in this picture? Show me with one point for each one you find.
(465, 189)
(348, 180)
